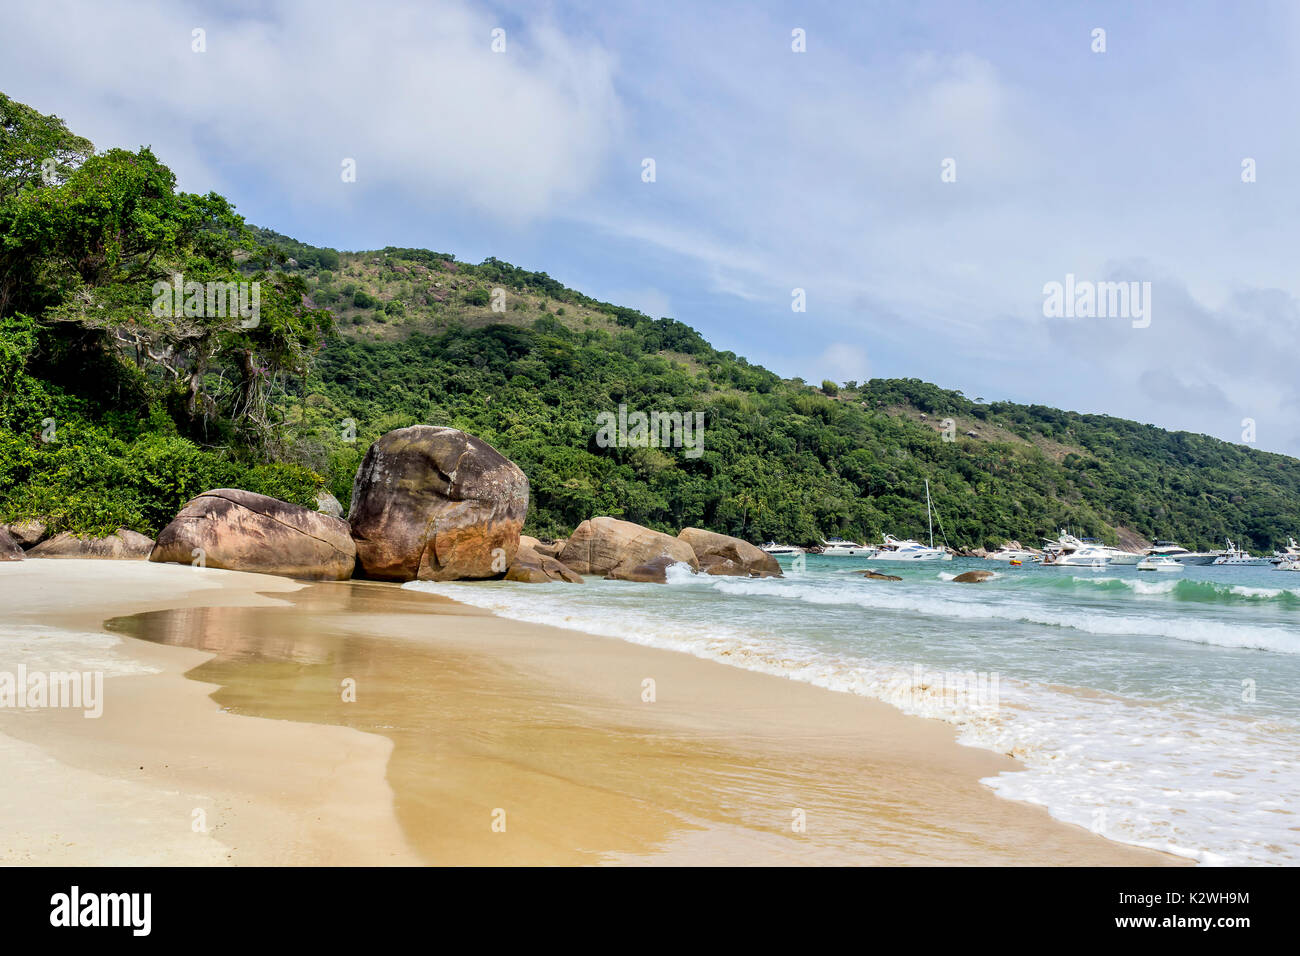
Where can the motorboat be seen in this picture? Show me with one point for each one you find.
(781, 550)
(1011, 554)
(1234, 555)
(1175, 552)
(908, 550)
(1067, 551)
(1288, 555)
(1094, 558)
(895, 549)
(1151, 563)
(1116, 556)
(839, 548)
(1120, 557)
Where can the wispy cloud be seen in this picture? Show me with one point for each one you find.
(413, 93)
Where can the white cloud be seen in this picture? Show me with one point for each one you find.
(411, 91)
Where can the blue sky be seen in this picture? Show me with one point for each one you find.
(775, 170)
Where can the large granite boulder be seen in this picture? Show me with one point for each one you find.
(873, 575)
(124, 545)
(243, 531)
(530, 567)
(717, 564)
(27, 534)
(973, 577)
(436, 504)
(617, 549)
(651, 571)
(736, 553)
(551, 549)
(9, 549)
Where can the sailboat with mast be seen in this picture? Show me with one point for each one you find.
(897, 550)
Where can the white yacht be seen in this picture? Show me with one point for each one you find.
(1067, 551)
(1235, 555)
(908, 550)
(1121, 558)
(1011, 554)
(1117, 556)
(1168, 549)
(781, 550)
(839, 548)
(1288, 555)
(1151, 563)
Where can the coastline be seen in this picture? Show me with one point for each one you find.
(463, 719)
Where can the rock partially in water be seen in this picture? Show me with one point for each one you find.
(717, 564)
(753, 560)
(872, 575)
(617, 548)
(530, 567)
(653, 571)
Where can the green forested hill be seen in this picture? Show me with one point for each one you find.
(149, 412)
(780, 458)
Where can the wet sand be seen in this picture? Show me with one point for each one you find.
(477, 740)
(165, 776)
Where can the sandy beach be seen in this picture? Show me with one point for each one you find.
(250, 719)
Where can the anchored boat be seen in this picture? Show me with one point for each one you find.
(1234, 555)
(1158, 564)
(1175, 552)
(839, 548)
(908, 550)
(781, 550)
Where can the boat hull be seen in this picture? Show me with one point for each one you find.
(908, 558)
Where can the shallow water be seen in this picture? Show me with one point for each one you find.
(1161, 710)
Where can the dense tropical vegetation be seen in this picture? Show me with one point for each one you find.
(113, 416)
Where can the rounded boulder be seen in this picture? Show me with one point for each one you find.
(436, 504)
